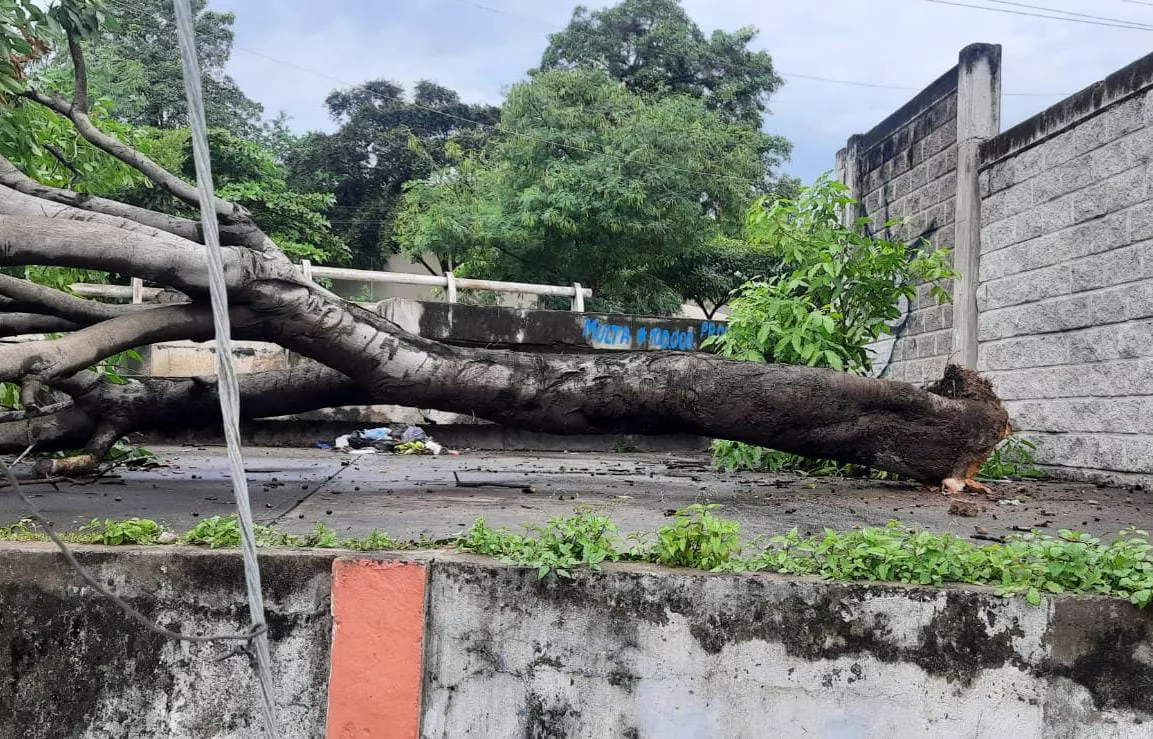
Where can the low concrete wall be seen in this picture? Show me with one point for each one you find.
(647, 653)
(442, 645)
(76, 666)
(547, 330)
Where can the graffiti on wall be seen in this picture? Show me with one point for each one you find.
(679, 335)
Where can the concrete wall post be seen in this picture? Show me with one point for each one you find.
(846, 173)
(978, 119)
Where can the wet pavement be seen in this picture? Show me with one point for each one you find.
(413, 496)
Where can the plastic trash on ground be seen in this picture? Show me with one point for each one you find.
(410, 440)
(413, 433)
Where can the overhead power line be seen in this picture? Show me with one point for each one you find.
(782, 73)
(1070, 13)
(145, 14)
(910, 88)
(1110, 22)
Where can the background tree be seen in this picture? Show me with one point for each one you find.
(710, 277)
(598, 185)
(137, 64)
(655, 48)
(135, 92)
(383, 141)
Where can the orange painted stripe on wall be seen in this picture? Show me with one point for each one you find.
(378, 626)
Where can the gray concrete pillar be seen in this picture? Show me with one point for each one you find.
(978, 119)
(848, 161)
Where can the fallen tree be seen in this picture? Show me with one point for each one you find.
(936, 437)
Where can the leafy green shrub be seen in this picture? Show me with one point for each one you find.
(561, 544)
(374, 542)
(698, 539)
(216, 532)
(23, 530)
(219, 532)
(322, 537)
(128, 531)
(1012, 459)
(838, 291)
(1029, 563)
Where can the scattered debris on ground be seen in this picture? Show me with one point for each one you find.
(388, 440)
(967, 508)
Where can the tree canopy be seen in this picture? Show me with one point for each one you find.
(655, 48)
(384, 140)
(138, 64)
(594, 184)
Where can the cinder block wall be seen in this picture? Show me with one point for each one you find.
(1065, 291)
(905, 168)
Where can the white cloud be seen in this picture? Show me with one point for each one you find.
(479, 53)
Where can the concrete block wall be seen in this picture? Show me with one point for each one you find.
(919, 166)
(1065, 290)
(905, 168)
(440, 645)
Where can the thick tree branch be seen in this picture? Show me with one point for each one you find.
(158, 257)
(15, 202)
(79, 74)
(42, 361)
(230, 213)
(12, 177)
(58, 304)
(170, 403)
(23, 324)
(126, 154)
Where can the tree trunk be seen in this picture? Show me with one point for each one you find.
(812, 412)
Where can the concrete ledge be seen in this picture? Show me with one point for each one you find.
(1092, 100)
(441, 645)
(645, 652)
(546, 330)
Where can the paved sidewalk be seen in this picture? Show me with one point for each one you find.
(408, 497)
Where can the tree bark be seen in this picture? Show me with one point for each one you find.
(23, 324)
(169, 403)
(12, 177)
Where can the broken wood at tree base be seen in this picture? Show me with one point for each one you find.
(940, 436)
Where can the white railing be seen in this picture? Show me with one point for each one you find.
(137, 293)
(450, 282)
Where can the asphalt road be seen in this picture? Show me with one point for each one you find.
(409, 497)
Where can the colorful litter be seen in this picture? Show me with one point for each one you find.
(407, 440)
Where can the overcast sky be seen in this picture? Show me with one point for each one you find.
(480, 48)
